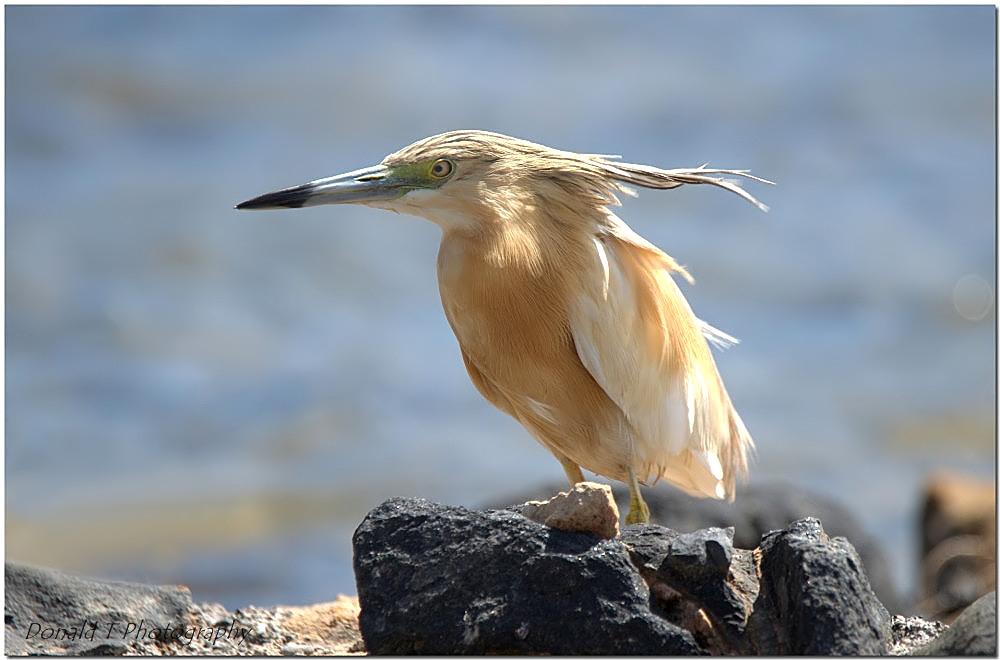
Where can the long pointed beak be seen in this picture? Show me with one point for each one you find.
(371, 184)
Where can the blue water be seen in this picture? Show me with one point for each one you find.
(209, 397)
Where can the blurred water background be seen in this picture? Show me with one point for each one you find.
(216, 398)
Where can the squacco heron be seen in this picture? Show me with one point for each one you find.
(567, 319)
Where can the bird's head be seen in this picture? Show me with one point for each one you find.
(460, 178)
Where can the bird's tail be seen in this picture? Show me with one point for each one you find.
(712, 473)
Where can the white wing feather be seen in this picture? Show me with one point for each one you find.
(681, 419)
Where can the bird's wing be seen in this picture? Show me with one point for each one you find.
(637, 336)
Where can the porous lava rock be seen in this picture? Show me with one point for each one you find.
(49, 612)
(814, 597)
(440, 580)
(758, 509)
(974, 632)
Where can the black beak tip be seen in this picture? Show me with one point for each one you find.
(283, 199)
(251, 204)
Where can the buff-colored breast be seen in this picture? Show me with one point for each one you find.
(509, 309)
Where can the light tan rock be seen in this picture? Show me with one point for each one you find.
(587, 507)
(328, 628)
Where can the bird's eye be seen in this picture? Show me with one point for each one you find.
(442, 168)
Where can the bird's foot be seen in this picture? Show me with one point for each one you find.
(638, 511)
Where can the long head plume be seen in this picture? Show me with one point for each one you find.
(648, 176)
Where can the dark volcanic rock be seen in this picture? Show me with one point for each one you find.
(698, 575)
(814, 597)
(49, 612)
(974, 632)
(757, 510)
(441, 580)
(436, 579)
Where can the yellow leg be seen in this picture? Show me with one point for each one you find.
(572, 471)
(638, 512)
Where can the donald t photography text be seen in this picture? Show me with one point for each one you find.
(138, 631)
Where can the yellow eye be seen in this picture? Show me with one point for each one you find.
(442, 168)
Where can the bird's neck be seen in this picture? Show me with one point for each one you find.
(528, 232)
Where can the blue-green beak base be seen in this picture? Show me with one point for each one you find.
(371, 184)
